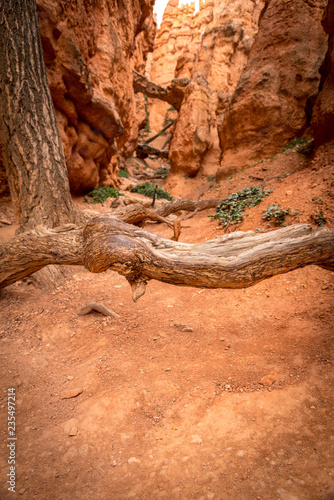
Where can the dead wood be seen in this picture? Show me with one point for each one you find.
(144, 150)
(96, 306)
(151, 139)
(136, 213)
(186, 205)
(236, 260)
(173, 93)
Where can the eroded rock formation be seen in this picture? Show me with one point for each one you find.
(192, 134)
(90, 51)
(323, 112)
(272, 101)
(214, 42)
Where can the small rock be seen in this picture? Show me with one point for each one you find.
(5, 221)
(71, 393)
(268, 380)
(168, 370)
(114, 463)
(285, 495)
(73, 431)
(70, 377)
(133, 460)
(240, 453)
(196, 440)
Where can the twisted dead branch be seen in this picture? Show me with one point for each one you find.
(236, 260)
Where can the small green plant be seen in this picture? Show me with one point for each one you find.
(276, 214)
(319, 218)
(100, 194)
(211, 178)
(297, 141)
(317, 198)
(148, 189)
(162, 171)
(230, 210)
(307, 148)
(123, 173)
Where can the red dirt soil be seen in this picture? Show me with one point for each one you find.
(191, 393)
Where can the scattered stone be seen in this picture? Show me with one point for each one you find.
(196, 440)
(133, 460)
(70, 377)
(240, 453)
(114, 463)
(4, 221)
(71, 393)
(285, 495)
(73, 431)
(268, 380)
(182, 327)
(97, 307)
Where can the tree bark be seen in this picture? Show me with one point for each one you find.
(236, 260)
(32, 148)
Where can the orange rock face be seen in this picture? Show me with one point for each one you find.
(214, 42)
(270, 104)
(90, 51)
(192, 134)
(323, 112)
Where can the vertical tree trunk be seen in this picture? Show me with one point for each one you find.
(31, 145)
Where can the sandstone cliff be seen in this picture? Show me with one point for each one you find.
(323, 112)
(273, 100)
(90, 49)
(215, 42)
(262, 62)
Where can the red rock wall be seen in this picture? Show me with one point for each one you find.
(90, 48)
(268, 107)
(323, 112)
(214, 42)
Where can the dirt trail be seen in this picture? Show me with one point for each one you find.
(191, 393)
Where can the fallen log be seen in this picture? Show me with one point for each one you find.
(144, 150)
(173, 93)
(235, 260)
(151, 139)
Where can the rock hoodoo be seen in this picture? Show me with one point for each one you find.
(90, 51)
(215, 42)
(261, 60)
(273, 99)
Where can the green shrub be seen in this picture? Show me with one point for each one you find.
(275, 214)
(297, 141)
(162, 171)
(319, 218)
(100, 194)
(123, 173)
(230, 210)
(148, 189)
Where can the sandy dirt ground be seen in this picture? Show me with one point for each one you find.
(190, 393)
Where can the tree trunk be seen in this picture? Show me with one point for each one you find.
(236, 260)
(32, 148)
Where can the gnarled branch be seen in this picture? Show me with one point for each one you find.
(236, 260)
